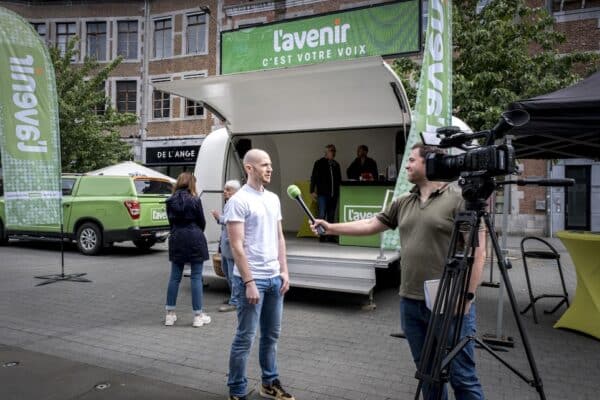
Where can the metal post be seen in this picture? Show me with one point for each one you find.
(549, 199)
(505, 211)
(144, 89)
(499, 338)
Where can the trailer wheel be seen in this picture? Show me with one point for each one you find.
(89, 239)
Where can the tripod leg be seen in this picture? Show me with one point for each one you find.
(445, 324)
(537, 382)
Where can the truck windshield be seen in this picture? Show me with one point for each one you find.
(152, 186)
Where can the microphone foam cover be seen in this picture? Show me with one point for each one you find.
(293, 191)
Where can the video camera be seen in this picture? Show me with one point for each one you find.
(487, 159)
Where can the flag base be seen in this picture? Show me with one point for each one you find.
(62, 277)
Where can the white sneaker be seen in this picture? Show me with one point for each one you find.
(170, 319)
(200, 319)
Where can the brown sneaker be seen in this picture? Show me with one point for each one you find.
(274, 391)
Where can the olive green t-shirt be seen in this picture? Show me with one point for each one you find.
(425, 231)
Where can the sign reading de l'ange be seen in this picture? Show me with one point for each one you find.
(387, 29)
(171, 155)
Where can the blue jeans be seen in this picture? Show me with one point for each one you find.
(267, 313)
(173, 288)
(414, 318)
(327, 206)
(227, 268)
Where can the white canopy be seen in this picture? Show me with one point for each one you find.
(129, 168)
(361, 93)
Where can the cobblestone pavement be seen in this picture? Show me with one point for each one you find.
(330, 347)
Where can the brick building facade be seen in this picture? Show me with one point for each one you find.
(180, 39)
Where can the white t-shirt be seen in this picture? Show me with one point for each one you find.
(260, 212)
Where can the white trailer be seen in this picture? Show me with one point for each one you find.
(292, 114)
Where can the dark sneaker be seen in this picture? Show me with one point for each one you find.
(237, 398)
(274, 391)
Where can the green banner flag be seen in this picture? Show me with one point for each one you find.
(391, 28)
(29, 133)
(433, 108)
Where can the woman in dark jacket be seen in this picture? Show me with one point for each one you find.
(187, 243)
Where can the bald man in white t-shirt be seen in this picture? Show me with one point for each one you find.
(260, 278)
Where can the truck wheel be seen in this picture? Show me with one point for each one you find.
(89, 239)
(3, 235)
(145, 243)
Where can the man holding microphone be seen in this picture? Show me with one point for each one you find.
(425, 217)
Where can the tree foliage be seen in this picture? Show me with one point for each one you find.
(506, 52)
(88, 123)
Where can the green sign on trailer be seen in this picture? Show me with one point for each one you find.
(387, 29)
(361, 200)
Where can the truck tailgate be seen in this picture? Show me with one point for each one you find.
(153, 211)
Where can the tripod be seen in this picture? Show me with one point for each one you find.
(442, 341)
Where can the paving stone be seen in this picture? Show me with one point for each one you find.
(329, 349)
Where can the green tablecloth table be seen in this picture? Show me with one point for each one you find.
(584, 313)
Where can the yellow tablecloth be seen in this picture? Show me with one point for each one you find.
(584, 313)
(304, 230)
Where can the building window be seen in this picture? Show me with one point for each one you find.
(127, 96)
(161, 104)
(562, 5)
(64, 32)
(193, 109)
(127, 45)
(96, 40)
(196, 33)
(41, 29)
(162, 38)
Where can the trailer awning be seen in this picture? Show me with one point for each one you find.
(362, 93)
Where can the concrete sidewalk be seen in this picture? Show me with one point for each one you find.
(40, 376)
(112, 330)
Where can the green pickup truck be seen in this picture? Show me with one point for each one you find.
(101, 210)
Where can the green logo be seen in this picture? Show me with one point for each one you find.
(159, 214)
(391, 28)
(358, 212)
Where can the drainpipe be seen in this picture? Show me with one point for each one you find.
(144, 73)
(218, 41)
(217, 122)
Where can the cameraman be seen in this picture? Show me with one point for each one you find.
(425, 217)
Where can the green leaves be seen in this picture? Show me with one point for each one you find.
(89, 124)
(507, 52)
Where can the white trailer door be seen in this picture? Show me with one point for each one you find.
(361, 93)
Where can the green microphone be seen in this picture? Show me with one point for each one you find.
(295, 194)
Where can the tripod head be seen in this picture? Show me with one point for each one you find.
(476, 189)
